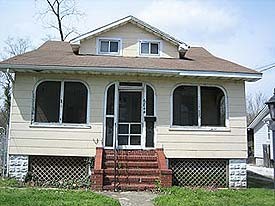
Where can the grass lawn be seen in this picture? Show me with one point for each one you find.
(42, 197)
(199, 197)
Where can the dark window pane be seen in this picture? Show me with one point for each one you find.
(129, 106)
(75, 103)
(109, 131)
(212, 107)
(185, 106)
(154, 48)
(113, 46)
(149, 101)
(47, 102)
(135, 140)
(123, 128)
(104, 46)
(149, 134)
(144, 48)
(130, 84)
(110, 100)
(135, 129)
(122, 140)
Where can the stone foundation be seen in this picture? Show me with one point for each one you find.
(237, 173)
(18, 166)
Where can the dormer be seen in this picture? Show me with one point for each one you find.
(129, 37)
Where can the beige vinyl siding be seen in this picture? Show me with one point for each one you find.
(130, 35)
(228, 143)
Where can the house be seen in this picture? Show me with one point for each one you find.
(131, 106)
(261, 137)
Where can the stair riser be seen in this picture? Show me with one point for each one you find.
(131, 158)
(133, 172)
(131, 152)
(130, 187)
(134, 180)
(125, 165)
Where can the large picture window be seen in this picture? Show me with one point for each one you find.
(61, 102)
(198, 106)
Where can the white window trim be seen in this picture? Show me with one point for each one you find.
(60, 124)
(150, 41)
(225, 128)
(119, 53)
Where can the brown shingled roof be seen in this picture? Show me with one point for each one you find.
(56, 53)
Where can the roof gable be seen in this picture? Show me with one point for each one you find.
(132, 20)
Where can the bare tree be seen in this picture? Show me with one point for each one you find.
(254, 104)
(13, 47)
(60, 15)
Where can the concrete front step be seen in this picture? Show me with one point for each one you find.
(130, 164)
(134, 172)
(130, 187)
(131, 179)
(132, 157)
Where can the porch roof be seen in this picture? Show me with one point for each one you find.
(58, 56)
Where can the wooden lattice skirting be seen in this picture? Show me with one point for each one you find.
(59, 168)
(199, 172)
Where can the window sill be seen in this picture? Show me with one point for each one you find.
(70, 126)
(207, 129)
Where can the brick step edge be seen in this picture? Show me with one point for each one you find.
(131, 187)
(137, 179)
(126, 164)
(131, 152)
(134, 172)
(132, 157)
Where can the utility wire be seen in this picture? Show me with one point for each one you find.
(265, 69)
(265, 66)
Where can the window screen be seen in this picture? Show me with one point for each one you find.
(212, 107)
(113, 46)
(185, 106)
(149, 48)
(154, 48)
(104, 46)
(109, 46)
(47, 102)
(110, 100)
(149, 101)
(75, 103)
(145, 48)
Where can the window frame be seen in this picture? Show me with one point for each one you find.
(159, 42)
(200, 127)
(60, 124)
(98, 45)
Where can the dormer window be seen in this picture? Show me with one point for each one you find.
(109, 46)
(149, 48)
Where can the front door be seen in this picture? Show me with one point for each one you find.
(129, 116)
(129, 120)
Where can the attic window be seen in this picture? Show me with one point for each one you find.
(109, 46)
(149, 48)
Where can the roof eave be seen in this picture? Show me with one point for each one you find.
(171, 72)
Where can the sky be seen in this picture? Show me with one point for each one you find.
(241, 31)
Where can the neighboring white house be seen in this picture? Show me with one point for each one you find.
(262, 137)
(128, 86)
